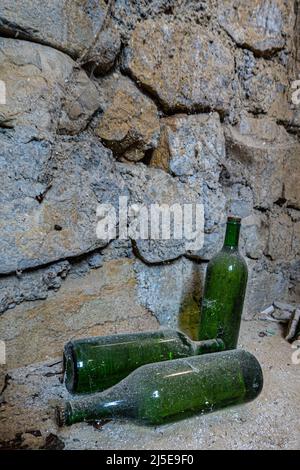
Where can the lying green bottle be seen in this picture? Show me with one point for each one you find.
(165, 391)
(224, 290)
(94, 364)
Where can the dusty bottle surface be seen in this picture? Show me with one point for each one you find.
(224, 290)
(165, 391)
(94, 364)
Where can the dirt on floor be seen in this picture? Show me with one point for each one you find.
(272, 421)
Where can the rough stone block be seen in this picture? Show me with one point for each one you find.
(37, 79)
(258, 24)
(130, 123)
(102, 302)
(72, 27)
(158, 57)
(257, 150)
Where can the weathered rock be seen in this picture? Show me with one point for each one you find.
(215, 211)
(50, 213)
(294, 123)
(158, 191)
(103, 302)
(32, 285)
(257, 150)
(297, 38)
(284, 306)
(80, 101)
(128, 14)
(239, 196)
(51, 185)
(294, 285)
(102, 55)
(280, 243)
(44, 221)
(291, 188)
(190, 145)
(296, 240)
(258, 24)
(266, 283)
(254, 235)
(172, 292)
(265, 87)
(130, 123)
(192, 148)
(36, 284)
(158, 57)
(36, 80)
(72, 27)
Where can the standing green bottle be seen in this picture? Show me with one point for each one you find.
(164, 391)
(94, 364)
(224, 290)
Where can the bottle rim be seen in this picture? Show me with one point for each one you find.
(232, 218)
(70, 368)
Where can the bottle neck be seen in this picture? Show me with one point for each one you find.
(96, 406)
(232, 235)
(208, 346)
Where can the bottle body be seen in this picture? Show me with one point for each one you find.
(224, 292)
(162, 392)
(94, 364)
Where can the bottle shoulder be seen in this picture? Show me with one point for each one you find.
(228, 258)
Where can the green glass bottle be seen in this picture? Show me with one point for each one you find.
(165, 391)
(94, 364)
(224, 290)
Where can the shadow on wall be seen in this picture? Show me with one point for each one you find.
(189, 312)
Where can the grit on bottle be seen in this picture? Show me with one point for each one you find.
(94, 364)
(165, 391)
(224, 290)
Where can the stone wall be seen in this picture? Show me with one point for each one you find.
(168, 101)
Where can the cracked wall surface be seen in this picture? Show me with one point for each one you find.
(162, 102)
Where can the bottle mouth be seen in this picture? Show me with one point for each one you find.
(70, 368)
(209, 346)
(62, 413)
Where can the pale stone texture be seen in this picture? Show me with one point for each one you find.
(79, 103)
(152, 186)
(294, 286)
(254, 236)
(130, 123)
(265, 86)
(72, 27)
(266, 282)
(257, 151)
(259, 25)
(51, 213)
(283, 243)
(81, 173)
(102, 302)
(127, 14)
(158, 58)
(192, 148)
(172, 292)
(32, 285)
(190, 145)
(36, 77)
(291, 169)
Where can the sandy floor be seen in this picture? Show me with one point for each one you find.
(270, 422)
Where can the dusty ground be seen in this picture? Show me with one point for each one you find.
(270, 422)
